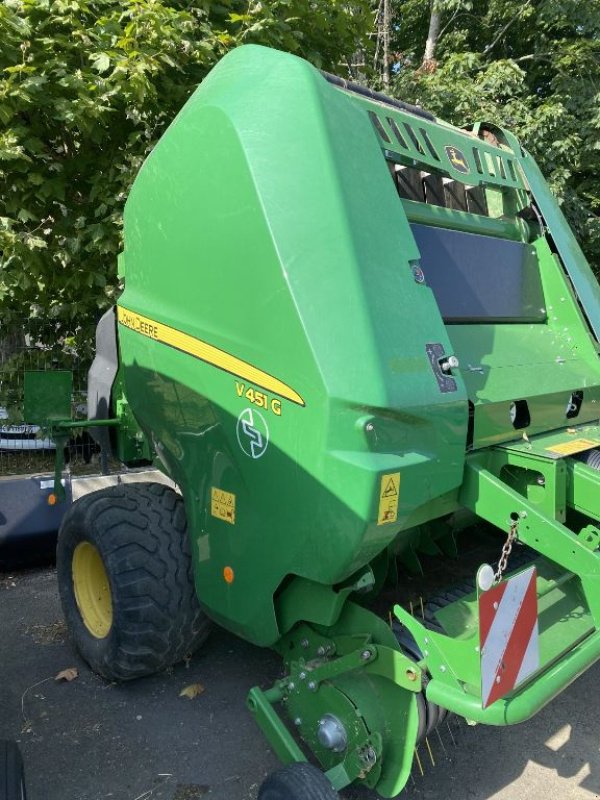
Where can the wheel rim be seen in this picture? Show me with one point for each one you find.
(92, 590)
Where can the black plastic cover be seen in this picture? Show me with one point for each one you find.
(479, 278)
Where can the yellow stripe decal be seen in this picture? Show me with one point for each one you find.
(206, 352)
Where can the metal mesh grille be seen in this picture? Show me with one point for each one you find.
(25, 448)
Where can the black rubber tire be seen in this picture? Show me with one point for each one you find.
(12, 774)
(140, 532)
(297, 782)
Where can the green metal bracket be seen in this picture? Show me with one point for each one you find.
(60, 442)
(314, 602)
(305, 642)
(261, 706)
(397, 668)
(306, 650)
(538, 477)
(60, 433)
(327, 670)
(492, 500)
(524, 703)
(583, 490)
(47, 402)
(441, 217)
(357, 763)
(590, 537)
(550, 481)
(455, 662)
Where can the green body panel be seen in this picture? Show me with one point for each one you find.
(263, 241)
(542, 362)
(463, 221)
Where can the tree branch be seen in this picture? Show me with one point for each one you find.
(505, 28)
(447, 25)
(531, 57)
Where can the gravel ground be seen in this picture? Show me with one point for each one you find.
(88, 740)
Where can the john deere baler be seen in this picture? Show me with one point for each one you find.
(348, 330)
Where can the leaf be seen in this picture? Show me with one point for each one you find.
(101, 62)
(68, 674)
(191, 691)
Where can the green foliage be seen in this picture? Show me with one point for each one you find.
(531, 65)
(88, 86)
(86, 89)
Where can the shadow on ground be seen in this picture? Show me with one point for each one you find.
(87, 740)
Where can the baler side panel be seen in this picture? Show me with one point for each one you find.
(279, 243)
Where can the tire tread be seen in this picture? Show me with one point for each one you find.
(300, 781)
(141, 533)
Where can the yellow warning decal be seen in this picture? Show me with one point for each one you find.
(222, 505)
(576, 446)
(389, 493)
(206, 352)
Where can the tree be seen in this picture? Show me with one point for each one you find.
(530, 65)
(86, 88)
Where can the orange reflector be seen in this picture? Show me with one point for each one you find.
(229, 575)
(52, 499)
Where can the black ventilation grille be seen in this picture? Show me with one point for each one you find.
(426, 187)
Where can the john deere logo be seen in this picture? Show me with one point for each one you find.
(457, 159)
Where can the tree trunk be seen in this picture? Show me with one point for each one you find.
(429, 63)
(386, 45)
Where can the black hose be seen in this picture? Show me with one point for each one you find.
(591, 458)
(356, 88)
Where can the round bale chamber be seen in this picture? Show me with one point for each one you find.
(274, 337)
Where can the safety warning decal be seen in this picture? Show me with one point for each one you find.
(389, 493)
(508, 635)
(222, 505)
(575, 446)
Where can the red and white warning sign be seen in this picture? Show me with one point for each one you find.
(508, 635)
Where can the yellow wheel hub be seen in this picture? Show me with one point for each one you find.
(92, 590)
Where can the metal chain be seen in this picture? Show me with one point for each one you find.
(506, 550)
